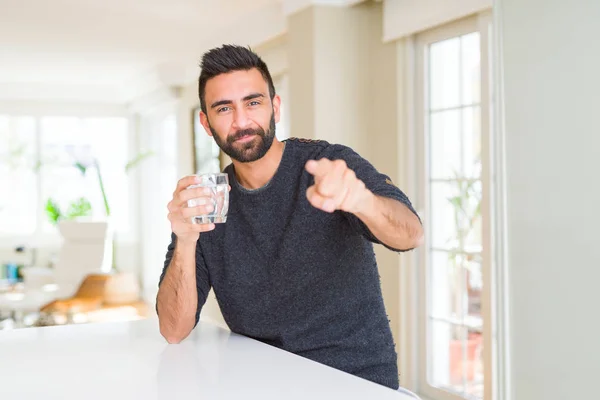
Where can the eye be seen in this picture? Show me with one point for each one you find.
(222, 109)
(254, 103)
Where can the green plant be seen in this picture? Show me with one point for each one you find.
(53, 211)
(466, 208)
(80, 207)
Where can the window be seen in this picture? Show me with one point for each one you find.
(206, 150)
(18, 187)
(282, 89)
(58, 159)
(452, 114)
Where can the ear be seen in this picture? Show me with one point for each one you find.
(277, 108)
(205, 124)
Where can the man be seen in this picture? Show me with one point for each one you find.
(294, 265)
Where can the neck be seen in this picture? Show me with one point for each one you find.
(256, 174)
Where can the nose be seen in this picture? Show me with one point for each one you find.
(240, 119)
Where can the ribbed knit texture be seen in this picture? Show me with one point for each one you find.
(297, 278)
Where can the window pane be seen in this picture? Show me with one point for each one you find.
(471, 68)
(470, 228)
(473, 367)
(474, 282)
(447, 282)
(445, 145)
(168, 155)
(169, 140)
(444, 63)
(61, 139)
(455, 208)
(472, 216)
(445, 215)
(18, 203)
(281, 87)
(206, 150)
(103, 142)
(447, 345)
(456, 362)
(281, 126)
(63, 143)
(109, 141)
(471, 119)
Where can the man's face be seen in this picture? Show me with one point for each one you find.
(240, 114)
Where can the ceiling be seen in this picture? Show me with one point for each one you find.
(115, 50)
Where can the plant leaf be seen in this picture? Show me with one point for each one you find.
(138, 159)
(53, 211)
(82, 168)
(102, 189)
(79, 208)
(456, 201)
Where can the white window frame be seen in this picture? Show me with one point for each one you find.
(416, 56)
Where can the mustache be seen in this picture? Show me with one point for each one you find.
(245, 132)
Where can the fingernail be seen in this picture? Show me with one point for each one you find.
(197, 178)
(328, 205)
(200, 202)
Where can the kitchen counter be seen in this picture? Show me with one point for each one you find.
(130, 360)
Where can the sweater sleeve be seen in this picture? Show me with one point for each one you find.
(377, 182)
(202, 277)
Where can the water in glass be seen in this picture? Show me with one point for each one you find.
(219, 185)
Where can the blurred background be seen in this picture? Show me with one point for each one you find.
(468, 106)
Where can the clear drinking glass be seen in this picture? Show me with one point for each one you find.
(219, 185)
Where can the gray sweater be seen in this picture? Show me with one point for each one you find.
(297, 278)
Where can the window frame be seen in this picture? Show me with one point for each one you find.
(477, 23)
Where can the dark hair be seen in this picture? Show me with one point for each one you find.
(229, 58)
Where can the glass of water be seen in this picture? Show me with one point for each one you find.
(219, 185)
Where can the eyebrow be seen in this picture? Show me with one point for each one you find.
(249, 97)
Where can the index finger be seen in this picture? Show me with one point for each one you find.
(185, 182)
(319, 168)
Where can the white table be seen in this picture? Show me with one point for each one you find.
(130, 360)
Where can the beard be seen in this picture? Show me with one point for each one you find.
(250, 151)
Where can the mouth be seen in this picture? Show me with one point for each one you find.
(246, 138)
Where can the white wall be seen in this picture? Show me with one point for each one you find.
(552, 93)
(274, 54)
